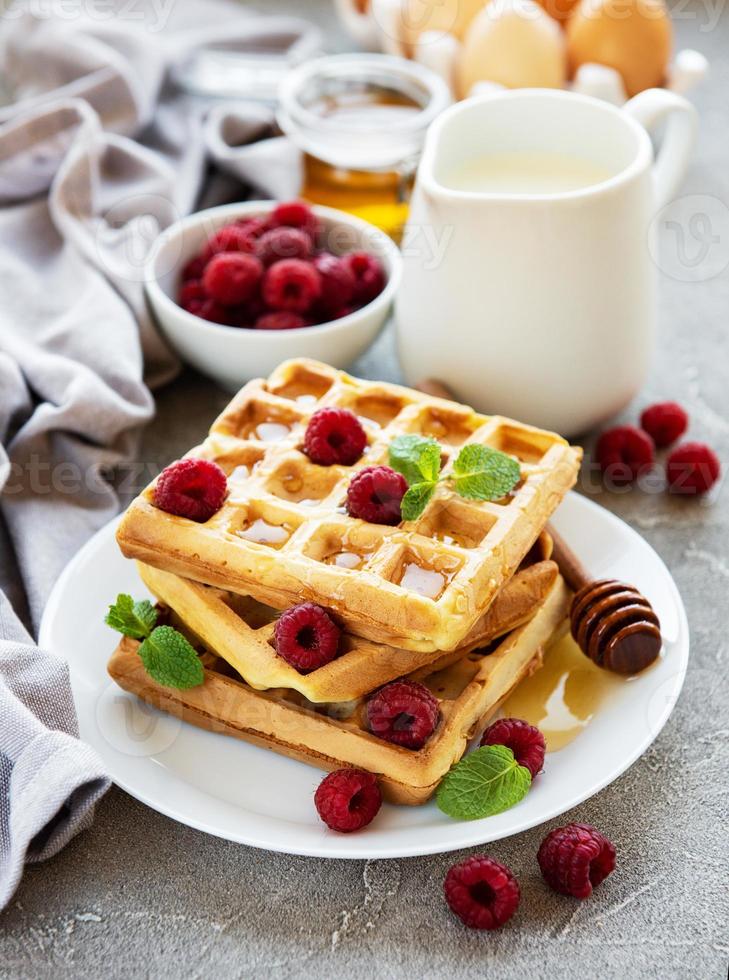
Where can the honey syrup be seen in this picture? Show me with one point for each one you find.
(562, 697)
(378, 197)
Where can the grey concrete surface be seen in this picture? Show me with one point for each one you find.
(141, 896)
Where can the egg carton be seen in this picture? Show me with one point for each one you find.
(374, 25)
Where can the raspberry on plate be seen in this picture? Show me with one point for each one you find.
(369, 276)
(664, 422)
(306, 637)
(295, 214)
(692, 468)
(403, 712)
(192, 488)
(337, 283)
(623, 453)
(348, 799)
(334, 435)
(291, 285)
(483, 893)
(283, 243)
(280, 320)
(576, 858)
(231, 238)
(525, 741)
(375, 494)
(232, 277)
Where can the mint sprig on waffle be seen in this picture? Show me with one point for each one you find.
(168, 657)
(479, 472)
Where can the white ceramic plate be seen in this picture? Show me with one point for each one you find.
(252, 796)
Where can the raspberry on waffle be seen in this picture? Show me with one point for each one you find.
(335, 735)
(283, 534)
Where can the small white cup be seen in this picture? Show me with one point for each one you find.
(540, 306)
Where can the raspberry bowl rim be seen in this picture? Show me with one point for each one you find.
(188, 333)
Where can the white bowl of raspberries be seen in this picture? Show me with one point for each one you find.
(238, 289)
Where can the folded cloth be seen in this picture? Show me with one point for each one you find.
(99, 151)
(49, 781)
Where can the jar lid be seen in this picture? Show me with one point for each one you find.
(322, 101)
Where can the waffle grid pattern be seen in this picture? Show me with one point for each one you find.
(283, 529)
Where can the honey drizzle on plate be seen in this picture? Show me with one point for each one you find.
(561, 698)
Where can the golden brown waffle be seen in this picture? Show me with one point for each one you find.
(240, 631)
(283, 534)
(334, 735)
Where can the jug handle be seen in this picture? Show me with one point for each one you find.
(650, 108)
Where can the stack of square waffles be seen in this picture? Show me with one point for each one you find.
(463, 599)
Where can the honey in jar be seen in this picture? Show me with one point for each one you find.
(361, 121)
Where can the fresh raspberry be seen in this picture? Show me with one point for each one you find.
(623, 453)
(369, 276)
(295, 214)
(342, 311)
(575, 858)
(194, 268)
(191, 291)
(291, 285)
(692, 468)
(483, 893)
(232, 278)
(525, 741)
(281, 320)
(283, 243)
(664, 422)
(253, 227)
(210, 309)
(334, 435)
(375, 493)
(348, 799)
(306, 637)
(337, 282)
(192, 488)
(403, 712)
(231, 238)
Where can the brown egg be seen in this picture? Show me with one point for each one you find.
(514, 43)
(561, 10)
(634, 37)
(451, 16)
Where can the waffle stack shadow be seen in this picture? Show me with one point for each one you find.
(493, 600)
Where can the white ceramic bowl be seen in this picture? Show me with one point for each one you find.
(233, 355)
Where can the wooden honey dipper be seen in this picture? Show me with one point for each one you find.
(612, 623)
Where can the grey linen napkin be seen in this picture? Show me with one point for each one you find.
(98, 153)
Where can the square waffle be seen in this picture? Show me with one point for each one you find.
(469, 689)
(240, 630)
(283, 535)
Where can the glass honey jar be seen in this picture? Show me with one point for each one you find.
(360, 120)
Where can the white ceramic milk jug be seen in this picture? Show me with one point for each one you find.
(540, 306)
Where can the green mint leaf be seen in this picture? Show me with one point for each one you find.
(416, 457)
(170, 660)
(415, 500)
(482, 473)
(429, 462)
(134, 619)
(483, 783)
